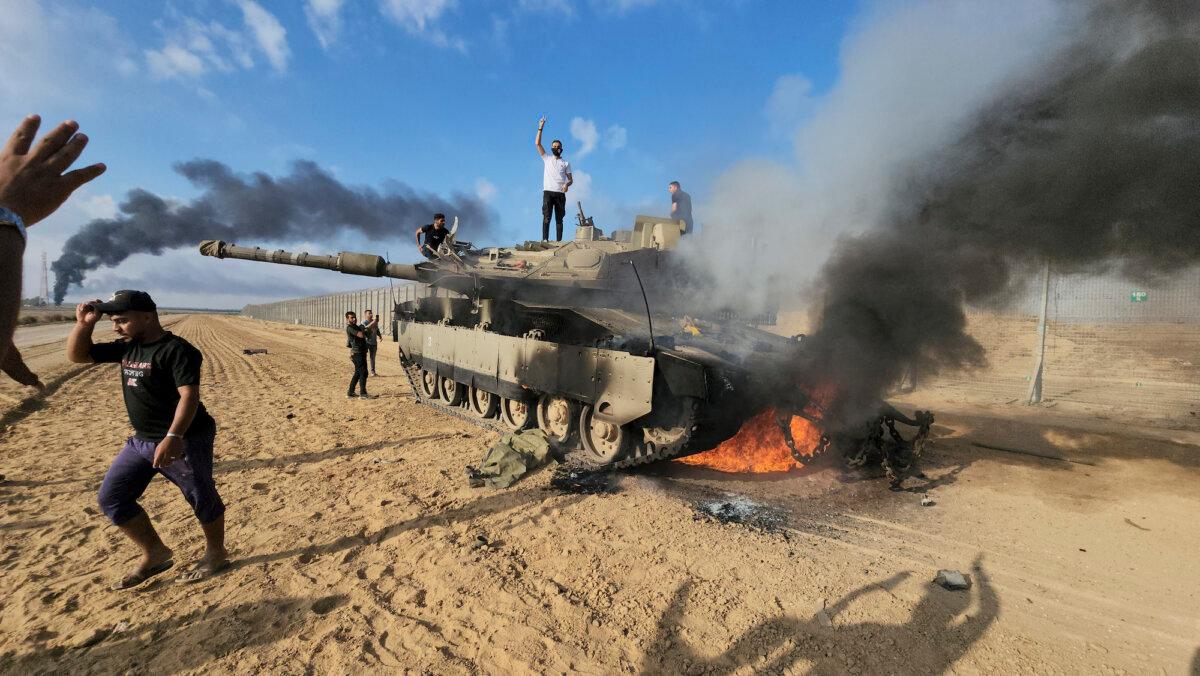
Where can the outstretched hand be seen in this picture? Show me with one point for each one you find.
(32, 182)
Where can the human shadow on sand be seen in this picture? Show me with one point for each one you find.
(37, 401)
(479, 508)
(276, 462)
(929, 643)
(178, 644)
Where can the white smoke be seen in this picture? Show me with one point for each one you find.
(911, 76)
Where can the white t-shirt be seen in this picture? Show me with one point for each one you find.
(554, 175)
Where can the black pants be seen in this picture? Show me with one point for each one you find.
(372, 348)
(360, 372)
(556, 201)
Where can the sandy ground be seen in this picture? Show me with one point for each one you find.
(351, 523)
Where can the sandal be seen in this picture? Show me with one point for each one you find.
(201, 571)
(136, 578)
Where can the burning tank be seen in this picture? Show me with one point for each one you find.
(591, 340)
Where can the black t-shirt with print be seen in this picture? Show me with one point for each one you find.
(434, 236)
(151, 375)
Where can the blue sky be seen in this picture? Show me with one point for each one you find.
(441, 95)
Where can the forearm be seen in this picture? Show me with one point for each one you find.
(79, 343)
(185, 410)
(14, 366)
(12, 248)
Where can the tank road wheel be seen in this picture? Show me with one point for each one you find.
(428, 384)
(516, 414)
(603, 442)
(452, 393)
(673, 423)
(556, 417)
(483, 403)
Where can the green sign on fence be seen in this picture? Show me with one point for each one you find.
(1138, 297)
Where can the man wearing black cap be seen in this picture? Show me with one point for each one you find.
(173, 433)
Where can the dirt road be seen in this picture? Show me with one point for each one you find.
(351, 525)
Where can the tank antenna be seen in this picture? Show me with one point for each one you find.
(649, 322)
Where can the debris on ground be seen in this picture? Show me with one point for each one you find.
(739, 509)
(479, 542)
(953, 580)
(927, 501)
(255, 350)
(583, 481)
(512, 457)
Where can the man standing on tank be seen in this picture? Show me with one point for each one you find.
(681, 206)
(556, 180)
(435, 233)
(356, 340)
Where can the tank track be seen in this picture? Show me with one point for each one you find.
(460, 411)
(692, 442)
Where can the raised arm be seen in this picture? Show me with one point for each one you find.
(79, 342)
(538, 141)
(12, 248)
(419, 246)
(33, 185)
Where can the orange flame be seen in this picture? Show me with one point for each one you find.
(759, 447)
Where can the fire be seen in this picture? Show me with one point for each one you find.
(759, 447)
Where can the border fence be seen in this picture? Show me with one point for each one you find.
(1102, 344)
(329, 310)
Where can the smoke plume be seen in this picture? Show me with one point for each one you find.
(1089, 159)
(308, 203)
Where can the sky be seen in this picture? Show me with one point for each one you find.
(442, 96)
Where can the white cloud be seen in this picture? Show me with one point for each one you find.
(615, 137)
(581, 186)
(174, 61)
(98, 206)
(419, 18)
(58, 56)
(789, 103)
(485, 190)
(192, 48)
(325, 19)
(584, 131)
(268, 32)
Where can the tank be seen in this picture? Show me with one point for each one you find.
(594, 340)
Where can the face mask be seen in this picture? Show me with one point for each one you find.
(557, 152)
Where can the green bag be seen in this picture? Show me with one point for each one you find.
(512, 456)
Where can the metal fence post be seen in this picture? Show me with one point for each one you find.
(1035, 381)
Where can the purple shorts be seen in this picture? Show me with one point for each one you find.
(131, 471)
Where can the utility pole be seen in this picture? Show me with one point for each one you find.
(1035, 381)
(45, 290)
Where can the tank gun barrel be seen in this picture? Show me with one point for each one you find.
(346, 262)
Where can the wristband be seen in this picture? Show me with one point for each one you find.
(10, 217)
(172, 434)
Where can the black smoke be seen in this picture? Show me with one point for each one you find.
(308, 203)
(1091, 162)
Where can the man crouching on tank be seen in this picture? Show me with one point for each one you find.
(173, 433)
